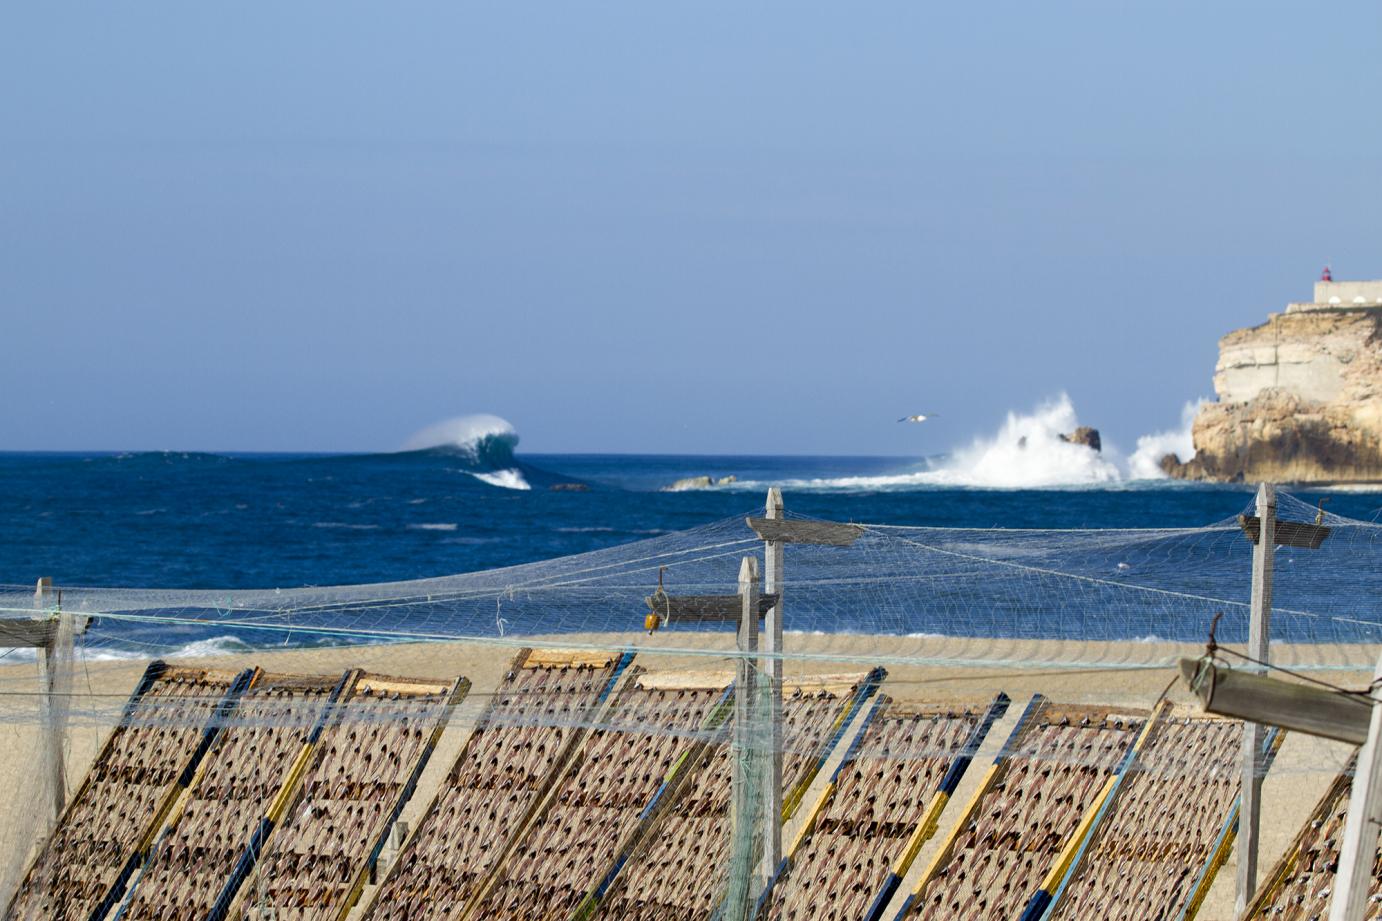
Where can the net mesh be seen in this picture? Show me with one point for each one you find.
(585, 777)
(940, 595)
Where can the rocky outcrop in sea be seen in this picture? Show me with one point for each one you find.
(1084, 435)
(698, 482)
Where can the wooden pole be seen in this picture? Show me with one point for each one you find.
(772, 644)
(48, 677)
(1255, 734)
(1359, 851)
(739, 902)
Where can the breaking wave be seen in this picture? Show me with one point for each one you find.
(506, 479)
(484, 443)
(1027, 452)
(197, 649)
(1145, 461)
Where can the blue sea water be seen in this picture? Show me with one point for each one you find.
(180, 520)
(166, 520)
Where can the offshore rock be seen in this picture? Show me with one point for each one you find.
(1300, 400)
(690, 482)
(698, 482)
(1084, 435)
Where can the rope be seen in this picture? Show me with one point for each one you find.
(1212, 649)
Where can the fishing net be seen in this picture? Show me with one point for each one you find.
(537, 711)
(1099, 597)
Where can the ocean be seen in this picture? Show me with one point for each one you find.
(194, 520)
(460, 498)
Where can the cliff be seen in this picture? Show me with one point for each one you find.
(1298, 401)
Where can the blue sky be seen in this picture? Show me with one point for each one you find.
(752, 228)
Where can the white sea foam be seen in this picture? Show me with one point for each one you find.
(465, 433)
(198, 649)
(30, 654)
(433, 526)
(1027, 452)
(1144, 464)
(508, 479)
(214, 646)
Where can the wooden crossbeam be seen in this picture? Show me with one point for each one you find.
(36, 632)
(828, 533)
(39, 630)
(1290, 705)
(1287, 533)
(706, 608)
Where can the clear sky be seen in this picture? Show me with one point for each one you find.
(738, 227)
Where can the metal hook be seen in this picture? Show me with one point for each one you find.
(1213, 645)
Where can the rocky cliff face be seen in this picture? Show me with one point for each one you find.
(1300, 401)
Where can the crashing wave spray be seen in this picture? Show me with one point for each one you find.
(1028, 452)
(1145, 462)
(486, 442)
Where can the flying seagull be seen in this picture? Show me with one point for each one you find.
(919, 417)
